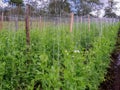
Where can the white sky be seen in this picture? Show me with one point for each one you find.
(117, 8)
(100, 13)
(3, 4)
(105, 2)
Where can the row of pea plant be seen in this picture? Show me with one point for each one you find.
(57, 59)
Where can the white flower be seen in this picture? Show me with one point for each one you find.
(76, 51)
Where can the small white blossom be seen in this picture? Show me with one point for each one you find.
(76, 51)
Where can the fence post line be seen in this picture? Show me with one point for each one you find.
(71, 22)
(27, 27)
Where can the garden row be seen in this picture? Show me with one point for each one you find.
(56, 59)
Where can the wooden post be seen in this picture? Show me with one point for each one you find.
(71, 22)
(27, 25)
(31, 19)
(2, 18)
(16, 23)
(88, 22)
(40, 23)
(1, 21)
(81, 19)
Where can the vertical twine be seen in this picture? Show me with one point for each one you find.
(71, 22)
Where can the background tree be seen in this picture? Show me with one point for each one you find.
(83, 7)
(88, 5)
(109, 10)
(38, 7)
(18, 10)
(17, 2)
(58, 7)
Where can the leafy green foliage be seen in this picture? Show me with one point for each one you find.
(58, 7)
(57, 59)
(16, 1)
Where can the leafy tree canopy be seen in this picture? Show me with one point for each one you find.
(17, 2)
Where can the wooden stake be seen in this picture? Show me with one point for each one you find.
(89, 22)
(40, 23)
(81, 19)
(16, 23)
(71, 22)
(1, 21)
(27, 26)
(2, 17)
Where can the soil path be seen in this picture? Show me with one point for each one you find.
(112, 81)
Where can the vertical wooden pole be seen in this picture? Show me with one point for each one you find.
(16, 23)
(40, 23)
(27, 25)
(37, 23)
(31, 19)
(1, 21)
(81, 19)
(71, 22)
(9, 22)
(2, 18)
(89, 22)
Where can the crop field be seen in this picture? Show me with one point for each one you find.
(56, 58)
